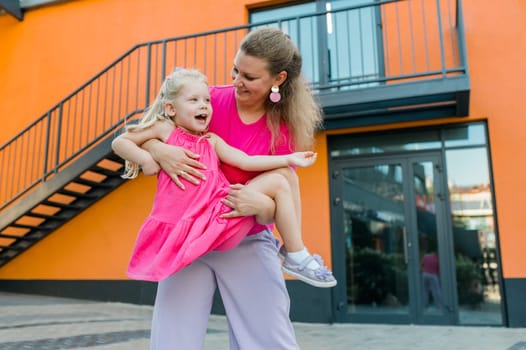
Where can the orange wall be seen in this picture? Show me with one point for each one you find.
(496, 52)
(57, 48)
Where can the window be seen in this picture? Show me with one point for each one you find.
(340, 40)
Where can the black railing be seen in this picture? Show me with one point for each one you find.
(381, 43)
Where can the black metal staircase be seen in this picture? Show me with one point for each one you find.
(60, 199)
(62, 163)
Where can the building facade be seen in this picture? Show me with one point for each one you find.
(418, 159)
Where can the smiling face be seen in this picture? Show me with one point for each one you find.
(253, 80)
(191, 110)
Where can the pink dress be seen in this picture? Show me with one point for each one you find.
(184, 224)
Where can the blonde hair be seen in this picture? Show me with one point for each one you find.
(297, 108)
(170, 89)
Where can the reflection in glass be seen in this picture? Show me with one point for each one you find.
(472, 134)
(430, 278)
(367, 144)
(374, 231)
(474, 236)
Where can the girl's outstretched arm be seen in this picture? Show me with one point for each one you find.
(241, 160)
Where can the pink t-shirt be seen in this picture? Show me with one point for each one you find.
(430, 264)
(253, 139)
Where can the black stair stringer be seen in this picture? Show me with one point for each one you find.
(79, 174)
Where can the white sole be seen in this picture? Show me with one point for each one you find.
(309, 281)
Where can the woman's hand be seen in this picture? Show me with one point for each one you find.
(176, 161)
(246, 202)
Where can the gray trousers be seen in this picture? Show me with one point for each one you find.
(253, 291)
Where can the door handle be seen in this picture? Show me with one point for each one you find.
(405, 245)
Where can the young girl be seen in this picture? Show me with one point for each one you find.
(186, 223)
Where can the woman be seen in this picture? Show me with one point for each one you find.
(267, 110)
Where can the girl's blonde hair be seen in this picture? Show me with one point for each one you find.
(170, 89)
(297, 108)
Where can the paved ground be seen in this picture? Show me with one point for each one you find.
(47, 323)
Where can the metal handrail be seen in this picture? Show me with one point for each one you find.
(356, 57)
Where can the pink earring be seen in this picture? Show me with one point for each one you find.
(275, 96)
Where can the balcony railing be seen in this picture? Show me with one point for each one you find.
(348, 53)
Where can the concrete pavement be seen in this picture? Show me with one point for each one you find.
(48, 323)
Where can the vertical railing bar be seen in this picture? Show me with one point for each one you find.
(214, 59)
(27, 157)
(185, 51)
(225, 49)
(36, 152)
(121, 97)
(163, 58)
(204, 55)
(138, 81)
(148, 67)
(88, 112)
(313, 53)
(46, 145)
(426, 46)
(376, 64)
(452, 35)
(349, 44)
(58, 137)
(175, 53)
(195, 52)
(3, 174)
(441, 39)
(362, 58)
(113, 87)
(69, 139)
(83, 117)
(10, 179)
(386, 40)
(105, 92)
(156, 78)
(69, 130)
(128, 80)
(411, 31)
(399, 39)
(337, 72)
(99, 104)
(16, 179)
(4, 178)
(461, 35)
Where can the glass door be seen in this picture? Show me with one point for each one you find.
(392, 241)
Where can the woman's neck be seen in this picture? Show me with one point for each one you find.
(250, 115)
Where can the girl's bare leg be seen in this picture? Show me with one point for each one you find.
(297, 260)
(287, 213)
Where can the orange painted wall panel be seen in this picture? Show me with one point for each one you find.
(496, 38)
(57, 48)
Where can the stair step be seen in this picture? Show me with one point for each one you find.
(62, 205)
(76, 194)
(92, 183)
(23, 238)
(105, 171)
(31, 227)
(44, 216)
(7, 247)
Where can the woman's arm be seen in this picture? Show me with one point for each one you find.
(127, 146)
(176, 161)
(241, 160)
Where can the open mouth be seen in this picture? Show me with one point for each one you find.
(201, 117)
